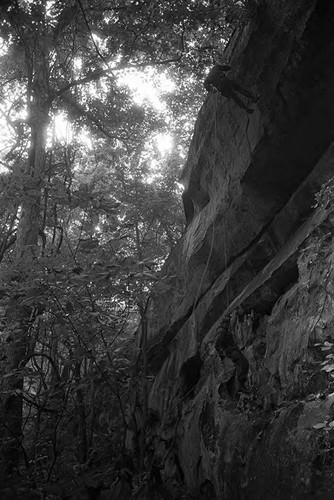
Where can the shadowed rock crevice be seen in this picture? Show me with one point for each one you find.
(190, 375)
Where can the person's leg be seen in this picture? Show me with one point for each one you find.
(225, 87)
(237, 87)
(240, 103)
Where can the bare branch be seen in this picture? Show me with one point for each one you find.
(109, 72)
(86, 79)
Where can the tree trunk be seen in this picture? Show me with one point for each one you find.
(81, 407)
(19, 317)
(143, 431)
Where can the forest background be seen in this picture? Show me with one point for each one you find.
(98, 100)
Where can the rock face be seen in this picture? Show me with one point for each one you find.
(242, 391)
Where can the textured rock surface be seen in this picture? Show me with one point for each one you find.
(238, 338)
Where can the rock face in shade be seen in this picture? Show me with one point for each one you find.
(239, 333)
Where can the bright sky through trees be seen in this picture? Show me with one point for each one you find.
(147, 89)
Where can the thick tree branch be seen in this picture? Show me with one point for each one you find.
(86, 79)
(109, 72)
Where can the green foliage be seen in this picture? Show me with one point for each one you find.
(328, 364)
(325, 197)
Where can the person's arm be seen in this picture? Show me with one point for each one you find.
(209, 80)
(225, 67)
(207, 84)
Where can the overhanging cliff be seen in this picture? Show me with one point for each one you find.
(236, 338)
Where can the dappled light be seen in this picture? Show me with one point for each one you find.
(148, 87)
(62, 128)
(164, 143)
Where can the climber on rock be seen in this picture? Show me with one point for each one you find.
(227, 87)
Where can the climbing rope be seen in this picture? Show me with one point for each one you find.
(197, 297)
(224, 220)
